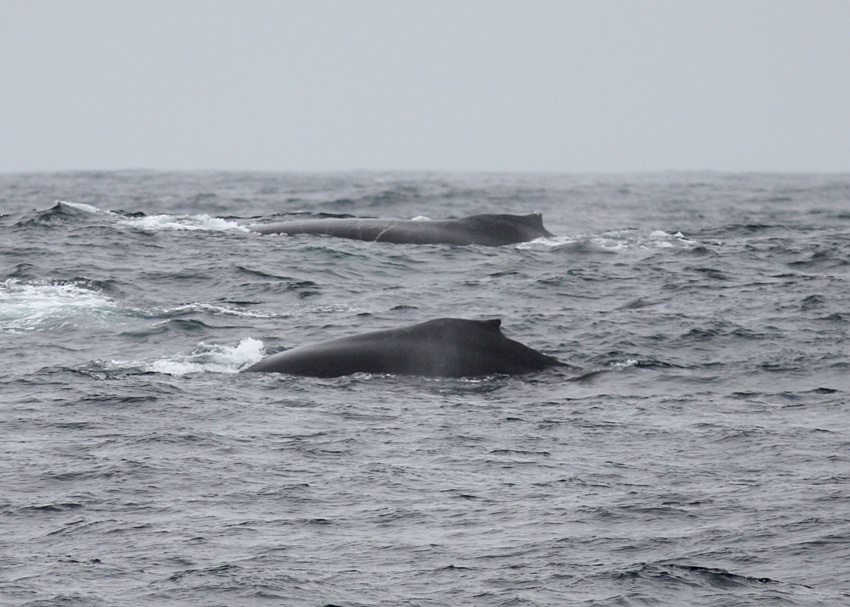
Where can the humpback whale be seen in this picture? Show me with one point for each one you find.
(490, 230)
(445, 347)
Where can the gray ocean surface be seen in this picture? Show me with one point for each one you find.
(697, 452)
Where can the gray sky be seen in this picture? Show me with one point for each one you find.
(566, 86)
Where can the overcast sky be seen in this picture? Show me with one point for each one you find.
(566, 86)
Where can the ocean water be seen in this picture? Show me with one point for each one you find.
(696, 452)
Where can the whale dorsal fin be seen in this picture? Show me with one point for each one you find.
(492, 324)
(535, 219)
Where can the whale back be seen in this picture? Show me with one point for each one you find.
(476, 347)
(445, 347)
(502, 229)
(488, 229)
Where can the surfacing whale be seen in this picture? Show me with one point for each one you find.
(490, 230)
(445, 347)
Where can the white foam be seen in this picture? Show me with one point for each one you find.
(663, 240)
(30, 306)
(153, 223)
(216, 310)
(87, 208)
(578, 243)
(625, 364)
(614, 241)
(207, 358)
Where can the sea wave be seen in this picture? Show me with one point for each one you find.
(40, 305)
(204, 358)
(212, 309)
(86, 208)
(613, 241)
(141, 221)
(31, 306)
(153, 223)
(695, 456)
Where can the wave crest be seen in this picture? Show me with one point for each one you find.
(211, 358)
(31, 306)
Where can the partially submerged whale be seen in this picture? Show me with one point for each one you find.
(446, 347)
(490, 230)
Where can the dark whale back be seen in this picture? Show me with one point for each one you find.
(488, 229)
(497, 230)
(446, 347)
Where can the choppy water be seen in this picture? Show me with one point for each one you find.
(698, 455)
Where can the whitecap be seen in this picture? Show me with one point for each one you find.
(210, 358)
(614, 241)
(663, 240)
(620, 365)
(207, 308)
(582, 244)
(30, 306)
(162, 222)
(86, 208)
(153, 223)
